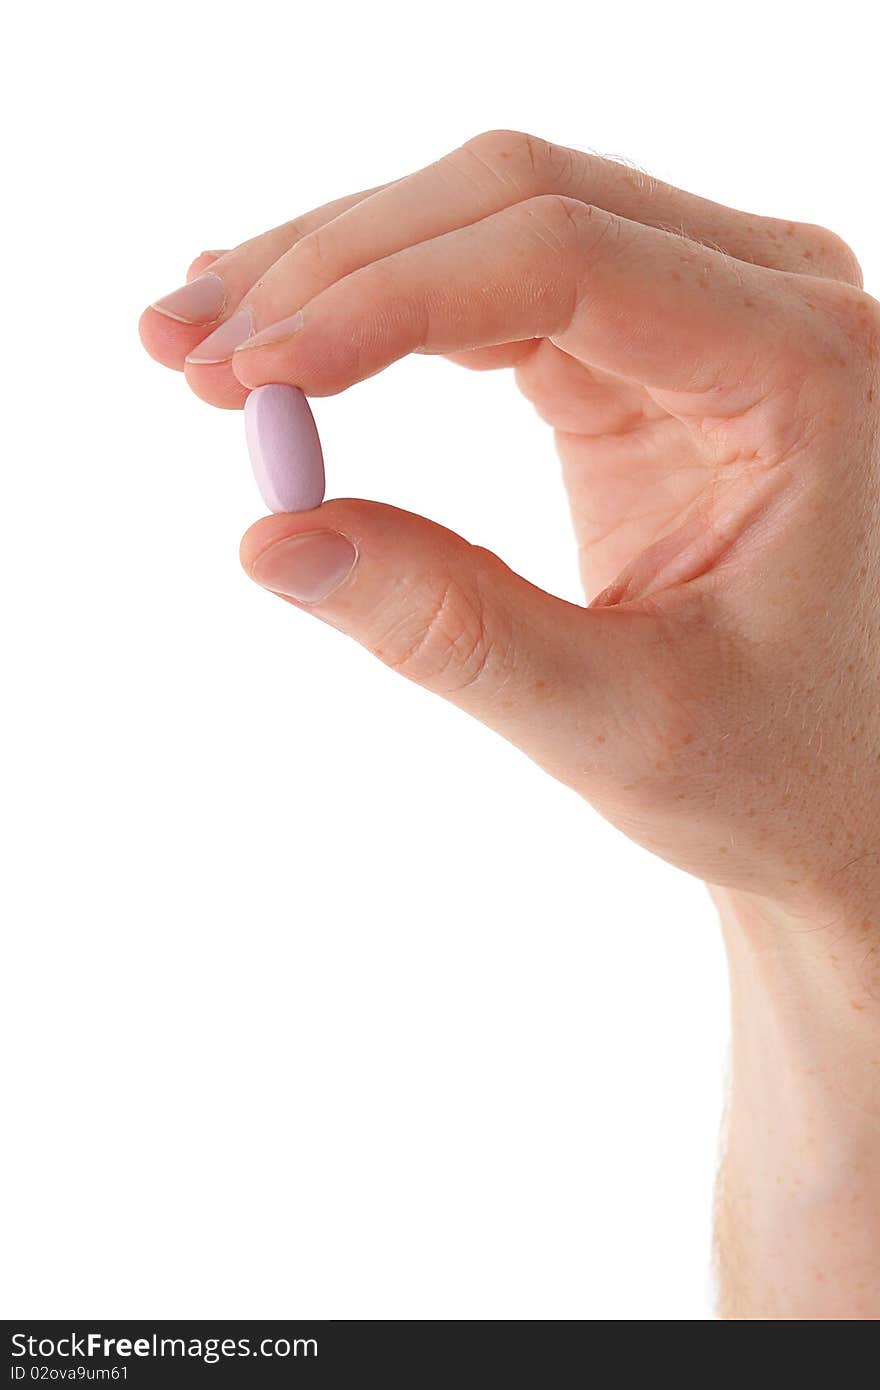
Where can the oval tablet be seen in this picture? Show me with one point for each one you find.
(285, 449)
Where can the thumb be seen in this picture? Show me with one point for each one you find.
(549, 676)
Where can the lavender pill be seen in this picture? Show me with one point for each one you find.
(285, 449)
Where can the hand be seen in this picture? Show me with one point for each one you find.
(711, 377)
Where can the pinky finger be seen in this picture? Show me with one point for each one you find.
(202, 262)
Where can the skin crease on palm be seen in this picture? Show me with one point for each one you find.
(712, 381)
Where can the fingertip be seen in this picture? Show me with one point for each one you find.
(169, 340)
(318, 357)
(315, 369)
(254, 367)
(165, 339)
(261, 535)
(368, 524)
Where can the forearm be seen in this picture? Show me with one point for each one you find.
(798, 1213)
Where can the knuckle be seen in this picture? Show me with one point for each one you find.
(528, 163)
(511, 154)
(854, 317)
(313, 261)
(450, 649)
(567, 219)
(314, 250)
(831, 255)
(501, 143)
(293, 231)
(863, 323)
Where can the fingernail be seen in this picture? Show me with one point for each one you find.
(221, 344)
(201, 301)
(284, 328)
(307, 567)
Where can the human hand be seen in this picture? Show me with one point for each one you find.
(712, 381)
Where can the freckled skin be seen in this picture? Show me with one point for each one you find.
(710, 378)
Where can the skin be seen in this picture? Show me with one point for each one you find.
(713, 382)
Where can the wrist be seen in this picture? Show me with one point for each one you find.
(805, 1007)
(799, 1186)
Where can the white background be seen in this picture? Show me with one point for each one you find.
(319, 999)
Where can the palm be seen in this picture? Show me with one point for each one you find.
(630, 468)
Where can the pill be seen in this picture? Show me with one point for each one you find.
(285, 449)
